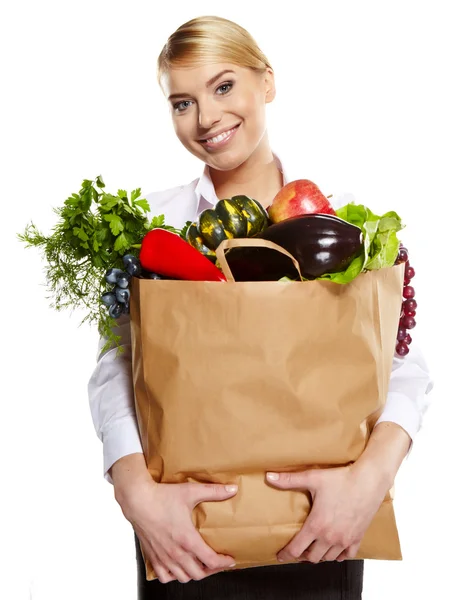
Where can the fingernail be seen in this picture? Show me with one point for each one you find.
(280, 559)
(233, 565)
(272, 476)
(231, 488)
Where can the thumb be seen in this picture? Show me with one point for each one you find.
(209, 492)
(288, 481)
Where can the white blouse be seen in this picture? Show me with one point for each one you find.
(110, 388)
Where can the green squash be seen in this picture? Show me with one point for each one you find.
(194, 238)
(231, 217)
(211, 229)
(236, 217)
(255, 215)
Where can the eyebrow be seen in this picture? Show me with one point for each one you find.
(208, 84)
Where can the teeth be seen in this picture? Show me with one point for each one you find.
(220, 137)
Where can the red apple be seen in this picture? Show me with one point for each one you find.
(299, 197)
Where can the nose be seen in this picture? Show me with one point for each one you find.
(208, 114)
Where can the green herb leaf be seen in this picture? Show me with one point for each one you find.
(80, 233)
(143, 204)
(121, 243)
(115, 223)
(135, 194)
(108, 201)
(157, 222)
(183, 231)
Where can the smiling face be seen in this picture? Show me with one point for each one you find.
(218, 110)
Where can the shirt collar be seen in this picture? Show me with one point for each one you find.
(205, 190)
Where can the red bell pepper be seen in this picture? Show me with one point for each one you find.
(166, 253)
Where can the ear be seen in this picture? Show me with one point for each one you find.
(269, 85)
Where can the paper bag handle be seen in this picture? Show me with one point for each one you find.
(248, 243)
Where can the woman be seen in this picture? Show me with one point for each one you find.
(217, 83)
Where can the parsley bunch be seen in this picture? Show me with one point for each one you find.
(94, 231)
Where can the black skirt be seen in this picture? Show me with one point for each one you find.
(298, 581)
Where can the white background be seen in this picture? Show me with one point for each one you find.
(373, 98)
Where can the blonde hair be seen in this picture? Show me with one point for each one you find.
(210, 39)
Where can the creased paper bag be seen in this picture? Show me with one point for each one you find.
(235, 379)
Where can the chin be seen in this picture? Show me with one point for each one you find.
(224, 164)
(226, 161)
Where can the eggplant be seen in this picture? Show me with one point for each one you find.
(320, 243)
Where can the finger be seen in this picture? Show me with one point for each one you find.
(160, 570)
(212, 571)
(207, 492)
(349, 553)
(193, 567)
(286, 481)
(163, 574)
(353, 550)
(197, 546)
(200, 571)
(300, 542)
(197, 569)
(186, 567)
(333, 553)
(174, 561)
(316, 551)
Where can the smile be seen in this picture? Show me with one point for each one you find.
(220, 140)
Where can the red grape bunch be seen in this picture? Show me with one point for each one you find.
(409, 305)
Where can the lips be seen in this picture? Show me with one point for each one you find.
(231, 131)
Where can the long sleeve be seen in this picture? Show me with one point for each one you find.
(410, 380)
(111, 400)
(110, 387)
(407, 399)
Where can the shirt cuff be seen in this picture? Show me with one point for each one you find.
(120, 439)
(400, 409)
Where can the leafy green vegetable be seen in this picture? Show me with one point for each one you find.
(94, 231)
(380, 241)
(183, 231)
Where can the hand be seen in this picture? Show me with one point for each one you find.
(344, 502)
(160, 514)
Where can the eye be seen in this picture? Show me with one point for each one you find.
(228, 84)
(178, 104)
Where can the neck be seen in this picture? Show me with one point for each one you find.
(258, 177)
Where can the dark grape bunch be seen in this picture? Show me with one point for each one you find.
(118, 298)
(409, 305)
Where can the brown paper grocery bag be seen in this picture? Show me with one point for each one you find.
(235, 379)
